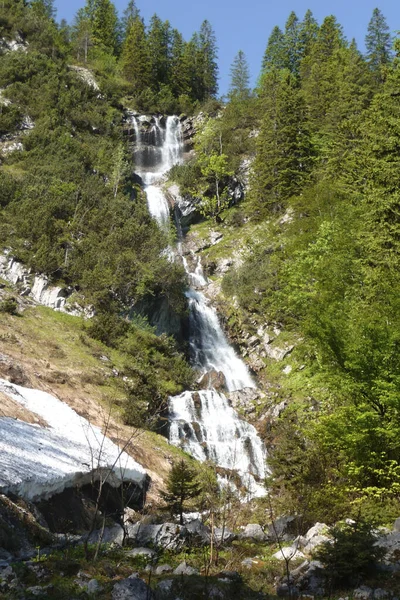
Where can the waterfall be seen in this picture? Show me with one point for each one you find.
(202, 423)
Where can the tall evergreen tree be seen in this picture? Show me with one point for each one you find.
(378, 42)
(308, 31)
(135, 62)
(291, 42)
(240, 77)
(274, 55)
(282, 162)
(158, 41)
(82, 35)
(207, 61)
(105, 25)
(129, 15)
(44, 8)
(179, 70)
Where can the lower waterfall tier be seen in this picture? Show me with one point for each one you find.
(205, 425)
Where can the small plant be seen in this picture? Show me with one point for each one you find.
(352, 554)
(9, 305)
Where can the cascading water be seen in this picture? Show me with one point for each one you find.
(203, 423)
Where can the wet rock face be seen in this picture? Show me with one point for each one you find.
(213, 379)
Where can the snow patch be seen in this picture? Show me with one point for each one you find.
(37, 462)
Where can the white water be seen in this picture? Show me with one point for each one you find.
(203, 423)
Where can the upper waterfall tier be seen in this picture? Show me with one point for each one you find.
(158, 148)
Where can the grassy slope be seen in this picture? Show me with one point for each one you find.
(50, 351)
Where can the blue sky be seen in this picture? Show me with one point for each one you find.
(246, 25)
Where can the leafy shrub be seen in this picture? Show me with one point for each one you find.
(352, 555)
(9, 305)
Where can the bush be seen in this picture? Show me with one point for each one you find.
(10, 306)
(352, 555)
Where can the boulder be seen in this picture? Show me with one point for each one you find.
(284, 528)
(167, 535)
(363, 593)
(132, 588)
(288, 553)
(94, 587)
(224, 535)
(161, 569)
(197, 533)
(213, 379)
(185, 569)
(253, 531)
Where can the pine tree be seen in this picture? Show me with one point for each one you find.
(291, 42)
(308, 32)
(319, 70)
(179, 70)
(378, 42)
(240, 78)
(44, 8)
(282, 162)
(274, 55)
(82, 35)
(135, 62)
(207, 62)
(130, 14)
(105, 26)
(181, 486)
(158, 42)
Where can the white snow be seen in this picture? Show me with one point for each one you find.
(37, 462)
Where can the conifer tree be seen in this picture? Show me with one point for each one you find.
(308, 31)
(378, 43)
(291, 42)
(135, 62)
(274, 55)
(82, 35)
(105, 25)
(240, 77)
(129, 15)
(207, 61)
(179, 71)
(158, 42)
(282, 162)
(181, 486)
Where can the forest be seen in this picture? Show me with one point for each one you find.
(322, 133)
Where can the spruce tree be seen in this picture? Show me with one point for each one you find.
(158, 42)
(181, 486)
(282, 162)
(135, 62)
(207, 61)
(105, 26)
(274, 55)
(240, 78)
(378, 43)
(82, 35)
(129, 15)
(291, 42)
(308, 31)
(179, 71)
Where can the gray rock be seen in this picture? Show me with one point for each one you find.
(223, 536)
(198, 532)
(94, 587)
(253, 531)
(146, 552)
(6, 573)
(164, 588)
(167, 535)
(247, 563)
(380, 594)
(161, 569)
(110, 535)
(285, 590)
(132, 588)
(396, 526)
(185, 569)
(283, 528)
(363, 593)
(5, 556)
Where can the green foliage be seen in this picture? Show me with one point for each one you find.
(181, 486)
(378, 43)
(9, 305)
(352, 555)
(240, 78)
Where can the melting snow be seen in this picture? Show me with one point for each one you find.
(38, 462)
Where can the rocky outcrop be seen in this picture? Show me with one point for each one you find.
(169, 536)
(132, 588)
(18, 43)
(86, 76)
(39, 287)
